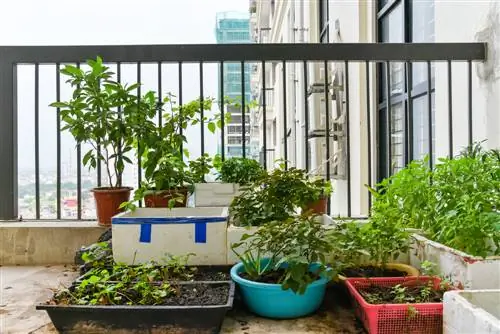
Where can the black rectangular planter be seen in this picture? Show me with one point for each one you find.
(141, 319)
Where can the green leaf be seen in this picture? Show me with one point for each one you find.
(211, 127)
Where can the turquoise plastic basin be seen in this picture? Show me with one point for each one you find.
(270, 301)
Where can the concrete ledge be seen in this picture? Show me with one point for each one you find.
(43, 243)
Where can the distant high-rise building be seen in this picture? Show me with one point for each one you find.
(234, 28)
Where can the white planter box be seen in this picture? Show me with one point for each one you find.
(472, 272)
(234, 234)
(215, 194)
(149, 234)
(473, 311)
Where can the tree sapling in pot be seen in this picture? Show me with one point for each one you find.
(108, 116)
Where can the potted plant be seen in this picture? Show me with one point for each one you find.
(233, 173)
(168, 178)
(320, 191)
(455, 205)
(163, 299)
(108, 116)
(399, 305)
(367, 250)
(283, 273)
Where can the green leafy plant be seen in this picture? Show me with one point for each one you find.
(275, 196)
(291, 246)
(199, 168)
(106, 115)
(456, 204)
(238, 170)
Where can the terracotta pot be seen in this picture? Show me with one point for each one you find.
(160, 198)
(319, 207)
(107, 202)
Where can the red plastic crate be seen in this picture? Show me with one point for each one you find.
(396, 318)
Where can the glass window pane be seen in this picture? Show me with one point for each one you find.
(421, 127)
(392, 31)
(423, 31)
(397, 137)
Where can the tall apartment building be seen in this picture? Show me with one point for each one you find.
(234, 28)
(414, 92)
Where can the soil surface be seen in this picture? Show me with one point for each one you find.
(372, 271)
(200, 294)
(419, 293)
(212, 273)
(272, 277)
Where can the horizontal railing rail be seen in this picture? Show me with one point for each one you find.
(377, 74)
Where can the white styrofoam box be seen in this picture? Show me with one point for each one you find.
(234, 234)
(471, 311)
(215, 194)
(150, 234)
(470, 271)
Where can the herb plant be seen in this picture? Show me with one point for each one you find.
(291, 247)
(456, 204)
(275, 196)
(106, 115)
(238, 170)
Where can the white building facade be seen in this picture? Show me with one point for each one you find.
(397, 136)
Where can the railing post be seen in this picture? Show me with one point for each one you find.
(8, 140)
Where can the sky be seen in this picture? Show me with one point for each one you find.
(91, 22)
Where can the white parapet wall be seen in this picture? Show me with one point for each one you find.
(470, 271)
(151, 234)
(215, 194)
(472, 311)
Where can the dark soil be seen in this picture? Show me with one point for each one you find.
(372, 271)
(212, 273)
(200, 294)
(271, 277)
(414, 293)
(183, 295)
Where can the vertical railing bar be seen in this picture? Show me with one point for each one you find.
(139, 162)
(264, 112)
(180, 107)
(306, 118)
(285, 127)
(450, 111)
(429, 113)
(221, 72)
(348, 134)
(369, 133)
(160, 97)
(119, 109)
(327, 132)
(243, 106)
(471, 138)
(58, 145)
(202, 116)
(388, 117)
(37, 143)
(79, 175)
(98, 155)
(409, 114)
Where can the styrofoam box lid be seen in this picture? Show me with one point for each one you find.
(188, 214)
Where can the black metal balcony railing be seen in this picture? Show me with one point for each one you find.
(386, 54)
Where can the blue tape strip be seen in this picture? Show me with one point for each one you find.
(200, 233)
(145, 235)
(168, 220)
